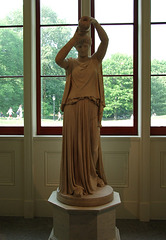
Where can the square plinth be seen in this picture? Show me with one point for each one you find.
(80, 223)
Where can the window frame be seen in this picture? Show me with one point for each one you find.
(12, 130)
(158, 130)
(46, 130)
(122, 130)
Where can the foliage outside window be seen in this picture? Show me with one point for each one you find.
(55, 27)
(11, 67)
(158, 67)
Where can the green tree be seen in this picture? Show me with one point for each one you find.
(14, 18)
(158, 88)
(11, 64)
(158, 95)
(158, 66)
(11, 57)
(11, 94)
(118, 90)
(52, 40)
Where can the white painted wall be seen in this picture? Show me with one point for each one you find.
(135, 166)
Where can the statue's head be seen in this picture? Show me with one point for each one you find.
(84, 39)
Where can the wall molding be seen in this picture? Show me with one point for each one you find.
(7, 168)
(52, 168)
(118, 164)
(11, 207)
(163, 169)
(158, 210)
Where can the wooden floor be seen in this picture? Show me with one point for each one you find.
(18, 228)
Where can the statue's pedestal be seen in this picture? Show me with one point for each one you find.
(80, 223)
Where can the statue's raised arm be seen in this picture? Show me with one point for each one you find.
(62, 54)
(101, 51)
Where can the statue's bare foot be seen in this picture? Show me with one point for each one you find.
(78, 192)
(100, 182)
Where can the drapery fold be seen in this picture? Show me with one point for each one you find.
(81, 164)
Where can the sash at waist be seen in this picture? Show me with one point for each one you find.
(75, 100)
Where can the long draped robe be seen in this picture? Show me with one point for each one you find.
(82, 103)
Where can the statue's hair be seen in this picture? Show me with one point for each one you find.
(84, 39)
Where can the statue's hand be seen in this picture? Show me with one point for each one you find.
(93, 21)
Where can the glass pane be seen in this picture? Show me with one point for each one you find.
(158, 101)
(114, 11)
(11, 57)
(118, 101)
(119, 56)
(11, 102)
(158, 46)
(158, 10)
(59, 11)
(11, 12)
(52, 40)
(52, 89)
(158, 66)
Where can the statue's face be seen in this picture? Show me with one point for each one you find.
(83, 49)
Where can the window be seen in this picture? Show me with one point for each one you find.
(11, 67)
(158, 67)
(119, 65)
(54, 28)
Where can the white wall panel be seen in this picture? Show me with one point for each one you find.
(121, 162)
(116, 166)
(47, 157)
(11, 176)
(163, 169)
(7, 168)
(52, 166)
(158, 178)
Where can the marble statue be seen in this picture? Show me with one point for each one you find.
(82, 171)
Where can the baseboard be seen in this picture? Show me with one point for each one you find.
(28, 208)
(144, 211)
(11, 207)
(42, 208)
(158, 210)
(127, 210)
